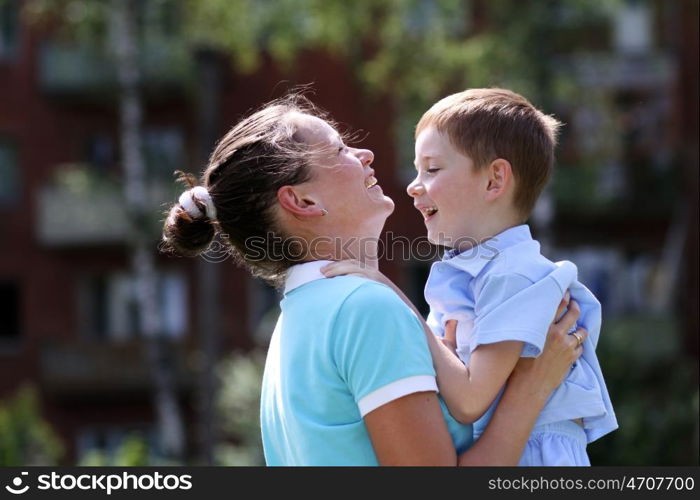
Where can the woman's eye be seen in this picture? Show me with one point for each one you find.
(432, 170)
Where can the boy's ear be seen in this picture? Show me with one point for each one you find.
(500, 179)
(297, 203)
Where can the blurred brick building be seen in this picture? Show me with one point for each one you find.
(67, 312)
(68, 322)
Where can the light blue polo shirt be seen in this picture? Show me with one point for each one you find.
(504, 289)
(342, 347)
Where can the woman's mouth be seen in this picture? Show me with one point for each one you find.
(371, 184)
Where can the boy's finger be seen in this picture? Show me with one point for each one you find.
(330, 265)
(336, 269)
(328, 268)
(342, 267)
(451, 330)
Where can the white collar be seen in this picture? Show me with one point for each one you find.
(301, 274)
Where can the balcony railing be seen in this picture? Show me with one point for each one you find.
(623, 71)
(73, 69)
(82, 367)
(92, 211)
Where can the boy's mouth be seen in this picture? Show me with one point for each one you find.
(427, 212)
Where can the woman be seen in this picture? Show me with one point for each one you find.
(349, 378)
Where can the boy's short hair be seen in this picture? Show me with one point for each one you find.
(487, 124)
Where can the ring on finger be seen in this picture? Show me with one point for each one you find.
(579, 338)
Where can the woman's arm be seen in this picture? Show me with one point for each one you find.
(411, 431)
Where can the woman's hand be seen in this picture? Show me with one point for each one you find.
(354, 268)
(544, 373)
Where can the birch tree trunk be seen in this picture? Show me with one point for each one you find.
(208, 105)
(125, 46)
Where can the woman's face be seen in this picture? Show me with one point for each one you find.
(344, 181)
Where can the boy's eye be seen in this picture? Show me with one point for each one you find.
(432, 170)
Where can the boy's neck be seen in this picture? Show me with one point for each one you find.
(488, 231)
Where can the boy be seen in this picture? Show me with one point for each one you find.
(483, 157)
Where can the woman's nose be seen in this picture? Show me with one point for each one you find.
(415, 188)
(366, 156)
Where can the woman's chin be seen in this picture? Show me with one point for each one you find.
(390, 204)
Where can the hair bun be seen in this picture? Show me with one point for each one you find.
(184, 234)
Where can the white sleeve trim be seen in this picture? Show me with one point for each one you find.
(396, 390)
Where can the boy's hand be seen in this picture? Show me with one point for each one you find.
(354, 268)
(450, 338)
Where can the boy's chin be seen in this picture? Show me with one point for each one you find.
(439, 240)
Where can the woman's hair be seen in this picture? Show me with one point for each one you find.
(260, 154)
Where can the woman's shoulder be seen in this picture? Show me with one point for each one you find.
(371, 295)
(376, 306)
(353, 299)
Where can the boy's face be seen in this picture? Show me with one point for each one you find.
(448, 191)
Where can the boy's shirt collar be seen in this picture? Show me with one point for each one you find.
(474, 259)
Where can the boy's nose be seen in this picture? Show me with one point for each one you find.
(415, 188)
(365, 156)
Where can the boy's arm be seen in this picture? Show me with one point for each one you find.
(526, 393)
(507, 324)
(487, 372)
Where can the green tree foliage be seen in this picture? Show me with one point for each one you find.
(412, 50)
(238, 407)
(653, 387)
(133, 452)
(25, 437)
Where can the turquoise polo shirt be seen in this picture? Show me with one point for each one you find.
(341, 348)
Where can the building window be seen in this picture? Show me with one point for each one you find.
(633, 28)
(9, 172)
(164, 152)
(9, 312)
(108, 306)
(101, 152)
(9, 28)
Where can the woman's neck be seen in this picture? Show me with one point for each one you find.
(362, 249)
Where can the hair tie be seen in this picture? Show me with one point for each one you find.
(200, 194)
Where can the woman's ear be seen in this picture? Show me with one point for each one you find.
(297, 203)
(500, 179)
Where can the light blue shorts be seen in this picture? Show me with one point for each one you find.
(561, 444)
